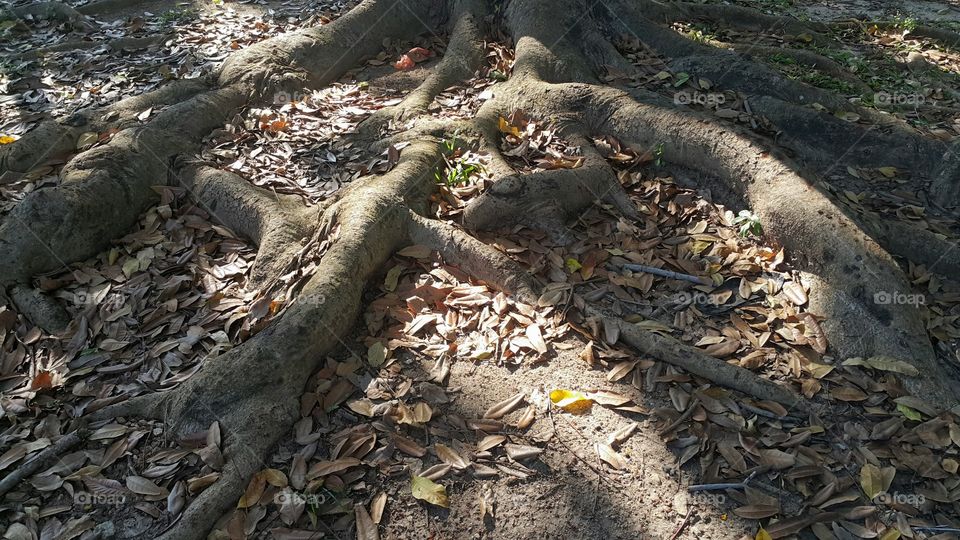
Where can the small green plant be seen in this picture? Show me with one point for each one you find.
(658, 154)
(701, 36)
(905, 23)
(459, 164)
(749, 223)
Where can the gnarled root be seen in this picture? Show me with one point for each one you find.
(546, 200)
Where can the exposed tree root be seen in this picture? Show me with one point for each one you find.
(254, 412)
(57, 11)
(463, 56)
(491, 266)
(804, 58)
(278, 224)
(941, 36)
(558, 62)
(546, 200)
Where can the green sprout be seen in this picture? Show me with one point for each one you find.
(749, 223)
(459, 164)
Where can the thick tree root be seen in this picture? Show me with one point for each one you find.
(254, 412)
(493, 267)
(105, 189)
(547, 200)
(463, 56)
(278, 224)
(57, 11)
(802, 57)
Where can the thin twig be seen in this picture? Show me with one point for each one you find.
(720, 486)
(683, 417)
(668, 274)
(683, 524)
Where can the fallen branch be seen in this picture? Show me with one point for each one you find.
(722, 486)
(27, 468)
(667, 274)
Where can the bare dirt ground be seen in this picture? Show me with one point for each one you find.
(445, 379)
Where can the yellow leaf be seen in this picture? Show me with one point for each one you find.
(762, 534)
(572, 265)
(428, 490)
(506, 127)
(393, 276)
(571, 401)
(891, 534)
(875, 480)
(889, 172)
(6, 139)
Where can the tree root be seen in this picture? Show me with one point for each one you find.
(803, 57)
(103, 190)
(463, 56)
(278, 224)
(941, 36)
(748, 19)
(118, 44)
(254, 412)
(57, 11)
(847, 270)
(546, 200)
(493, 267)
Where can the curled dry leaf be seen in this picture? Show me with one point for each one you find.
(490, 441)
(143, 486)
(611, 456)
(377, 505)
(527, 418)
(622, 434)
(485, 502)
(503, 408)
(366, 527)
(450, 456)
(325, 468)
(518, 452)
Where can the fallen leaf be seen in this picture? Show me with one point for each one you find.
(427, 490)
(571, 401)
